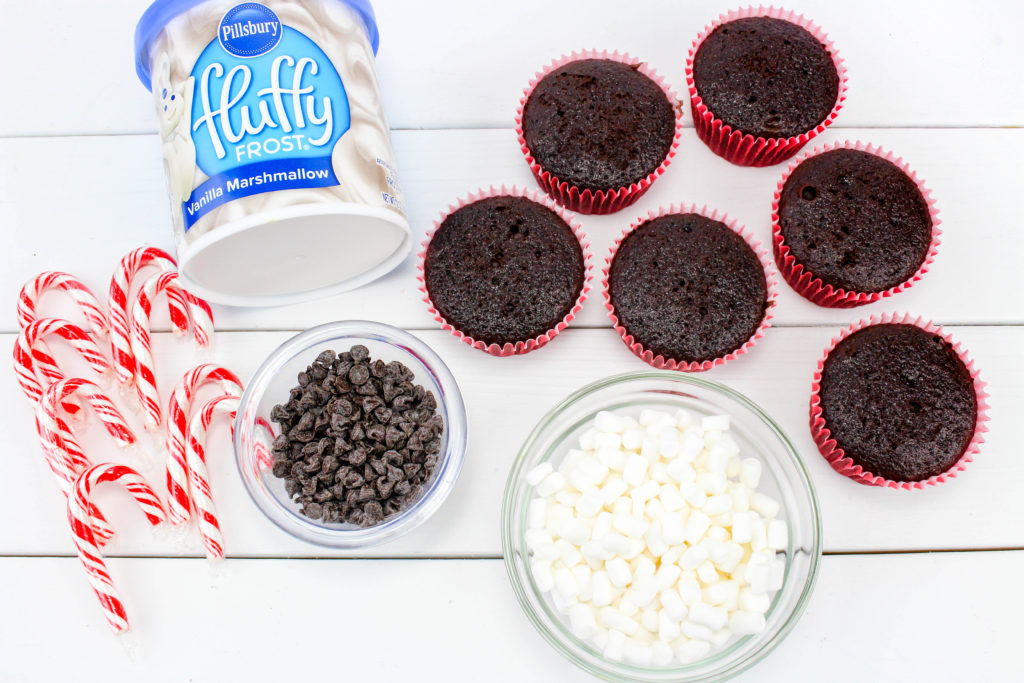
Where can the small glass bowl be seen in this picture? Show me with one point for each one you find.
(784, 478)
(270, 386)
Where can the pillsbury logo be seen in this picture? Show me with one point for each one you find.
(249, 30)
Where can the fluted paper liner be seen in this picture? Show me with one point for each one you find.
(743, 148)
(659, 361)
(600, 201)
(846, 466)
(812, 288)
(519, 347)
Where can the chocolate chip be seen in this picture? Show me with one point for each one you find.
(358, 438)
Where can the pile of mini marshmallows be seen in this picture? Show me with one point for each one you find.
(652, 538)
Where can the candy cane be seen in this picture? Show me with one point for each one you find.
(199, 478)
(263, 456)
(79, 506)
(63, 453)
(28, 299)
(142, 350)
(178, 409)
(28, 357)
(117, 306)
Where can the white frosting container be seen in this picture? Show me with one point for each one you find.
(280, 172)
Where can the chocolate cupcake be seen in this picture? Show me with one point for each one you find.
(505, 271)
(688, 290)
(851, 225)
(896, 403)
(762, 83)
(597, 129)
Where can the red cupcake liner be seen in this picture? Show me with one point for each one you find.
(742, 148)
(519, 347)
(846, 466)
(660, 361)
(601, 201)
(811, 287)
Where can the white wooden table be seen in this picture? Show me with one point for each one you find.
(914, 586)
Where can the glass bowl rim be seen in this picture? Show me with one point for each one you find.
(449, 465)
(567, 648)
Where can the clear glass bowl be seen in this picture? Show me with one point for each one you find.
(270, 386)
(784, 477)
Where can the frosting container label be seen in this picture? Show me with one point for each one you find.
(267, 110)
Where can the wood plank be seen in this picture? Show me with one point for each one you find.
(910, 62)
(458, 620)
(106, 208)
(505, 398)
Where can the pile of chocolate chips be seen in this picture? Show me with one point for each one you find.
(358, 438)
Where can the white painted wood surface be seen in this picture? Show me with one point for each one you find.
(81, 183)
(914, 617)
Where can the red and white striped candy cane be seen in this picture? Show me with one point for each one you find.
(28, 299)
(202, 318)
(117, 307)
(64, 454)
(29, 358)
(264, 458)
(141, 343)
(178, 410)
(199, 478)
(79, 505)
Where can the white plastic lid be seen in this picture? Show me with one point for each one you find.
(295, 253)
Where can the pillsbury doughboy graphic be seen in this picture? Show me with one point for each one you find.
(173, 110)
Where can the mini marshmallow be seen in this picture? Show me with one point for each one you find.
(704, 614)
(692, 650)
(766, 505)
(752, 602)
(659, 473)
(601, 588)
(615, 620)
(593, 551)
(689, 590)
(670, 498)
(569, 461)
(587, 439)
(706, 573)
(536, 513)
(656, 543)
(778, 534)
(634, 527)
(667, 627)
(605, 441)
(584, 579)
(635, 470)
(693, 557)
(637, 653)
(582, 620)
(673, 528)
(632, 439)
(619, 573)
(567, 498)
(667, 575)
(542, 574)
(573, 530)
(717, 505)
(539, 473)
(649, 449)
(645, 591)
(692, 445)
(692, 629)
(742, 527)
(672, 605)
(602, 525)
(613, 490)
(696, 524)
(711, 483)
(568, 553)
(661, 653)
(750, 472)
(614, 458)
(649, 619)
(616, 543)
(776, 574)
(606, 421)
(718, 423)
(613, 649)
(552, 483)
(649, 489)
(758, 534)
(746, 623)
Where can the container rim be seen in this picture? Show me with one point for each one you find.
(160, 12)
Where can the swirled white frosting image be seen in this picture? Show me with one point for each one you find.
(265, 107)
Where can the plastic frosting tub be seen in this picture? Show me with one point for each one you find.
(280, 172)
